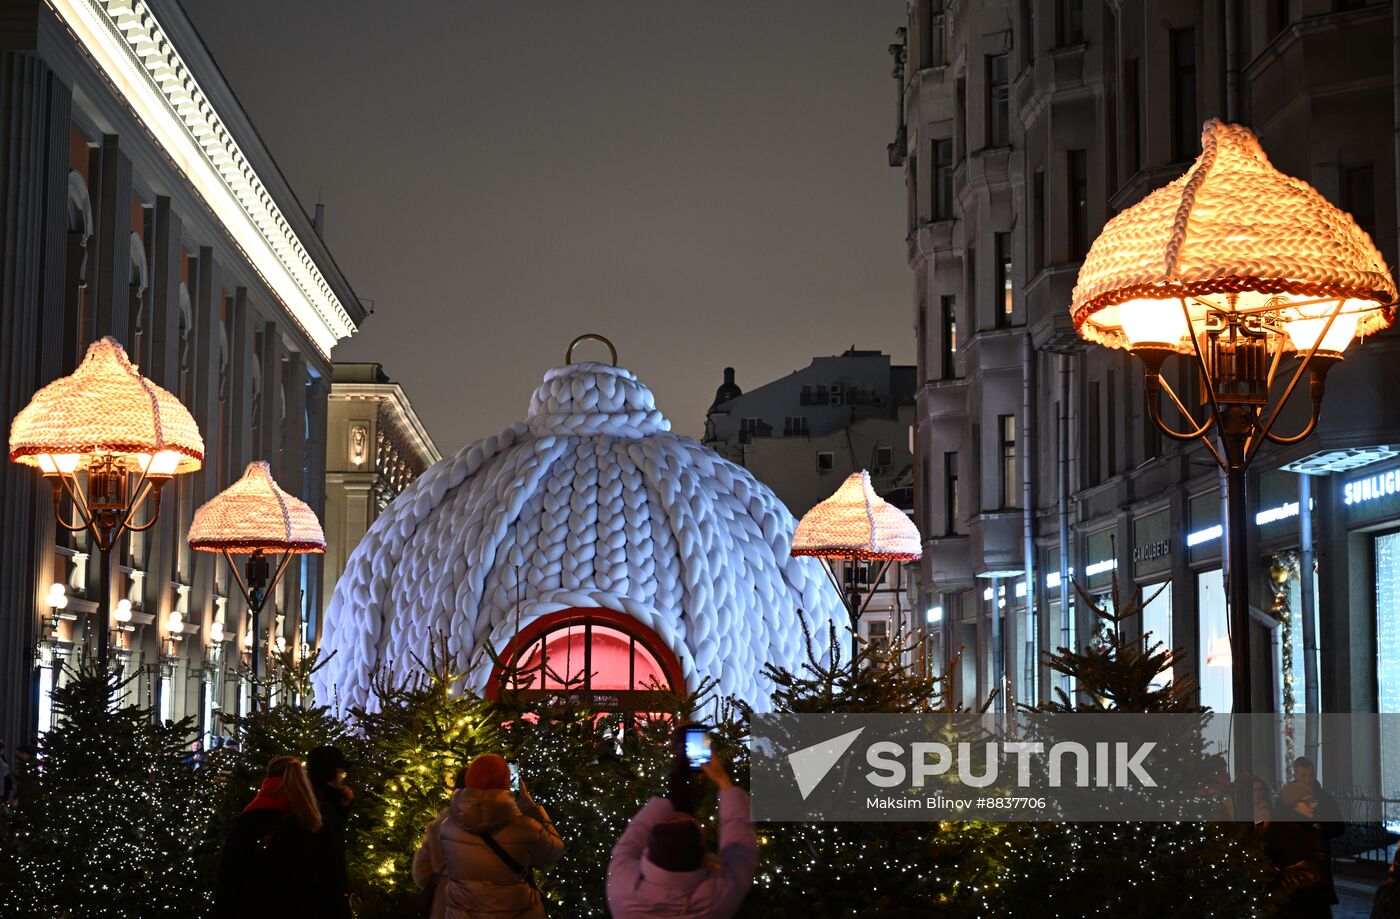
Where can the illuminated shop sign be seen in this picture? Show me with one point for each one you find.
(1371, 487)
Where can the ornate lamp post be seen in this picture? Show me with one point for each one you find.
(857, 525)
(125, 434)
(1234, 267)
(255, 517)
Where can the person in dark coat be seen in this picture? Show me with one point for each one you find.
(326, 767)
(1329, 821)
(277, 861)
(1299, 856)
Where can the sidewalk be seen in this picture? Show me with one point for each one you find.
(1356, 886)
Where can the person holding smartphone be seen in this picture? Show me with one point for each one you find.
(491, 842)
(661, 867)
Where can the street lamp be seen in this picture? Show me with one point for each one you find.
(857, 525)
(255, 517)
(1233, 267)
(126, 434)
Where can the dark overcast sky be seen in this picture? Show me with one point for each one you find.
(705, 183)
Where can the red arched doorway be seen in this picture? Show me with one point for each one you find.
(598, 659)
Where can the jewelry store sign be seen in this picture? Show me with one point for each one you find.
(1372, 487)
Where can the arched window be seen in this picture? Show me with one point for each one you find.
(594, 658)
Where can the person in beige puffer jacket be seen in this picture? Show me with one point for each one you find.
(479, 881)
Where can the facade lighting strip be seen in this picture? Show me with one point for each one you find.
(134, 52)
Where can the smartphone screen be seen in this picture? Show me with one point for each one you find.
(697, 747)
(514, 776)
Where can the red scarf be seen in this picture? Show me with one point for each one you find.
(271, 797)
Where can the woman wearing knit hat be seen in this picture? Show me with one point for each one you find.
(490, 843)
(659, 866)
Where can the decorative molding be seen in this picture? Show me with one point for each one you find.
(138, 57)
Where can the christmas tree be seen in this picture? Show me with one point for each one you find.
(113, 822)
(1184, 869)
(875, 869)
(420, 731)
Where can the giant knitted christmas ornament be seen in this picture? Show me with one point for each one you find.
(590, 504)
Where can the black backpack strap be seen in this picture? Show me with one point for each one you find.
(525, 874)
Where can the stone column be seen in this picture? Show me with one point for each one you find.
(34, 120)
(113, 205)
(317, 396)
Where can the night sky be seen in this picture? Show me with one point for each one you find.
(704, 183)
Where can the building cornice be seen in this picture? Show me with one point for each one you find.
(137, 56)
(391, 396)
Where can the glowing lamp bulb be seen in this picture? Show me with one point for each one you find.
(162, 464)
(1305, 325)
(216, 631)
(58, 597)
(59, 463)
(1152, 322)
(175, 624)
(123, 613)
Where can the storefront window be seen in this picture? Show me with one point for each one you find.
(1157, 622)
(1388, 652)
(1214, 651)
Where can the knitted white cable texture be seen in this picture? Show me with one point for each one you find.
(590, 503)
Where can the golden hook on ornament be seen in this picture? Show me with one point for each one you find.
(569, 352)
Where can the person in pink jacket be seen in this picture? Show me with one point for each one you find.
(660, 867)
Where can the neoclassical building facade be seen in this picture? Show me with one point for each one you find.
(1026, 125)
(139, 202)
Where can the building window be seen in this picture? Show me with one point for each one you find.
(1028, 31)
(912, 180)
(749, 428)
(1359, 196)
(960, 116)
(1132, 117)
(1157, 624)
(1214, 650)
(950, 493)
(970, 254)
(934, 29)
(795, 426)
(1071, 22)
(1093, 467)
(1112, 416)
(943, 179)
(1077, 177)
(877, 633)
(884, 459)
(826, 461)
(998, 102)
(1038, 220)
(838, 395)
(1186, 127)
(950, 336)
(1006, 428)
(1002, 294)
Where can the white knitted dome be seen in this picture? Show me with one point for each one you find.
(596, 506)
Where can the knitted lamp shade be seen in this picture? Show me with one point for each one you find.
(856, 523)
(106, 406)
(1233, 224)
(254, 513)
